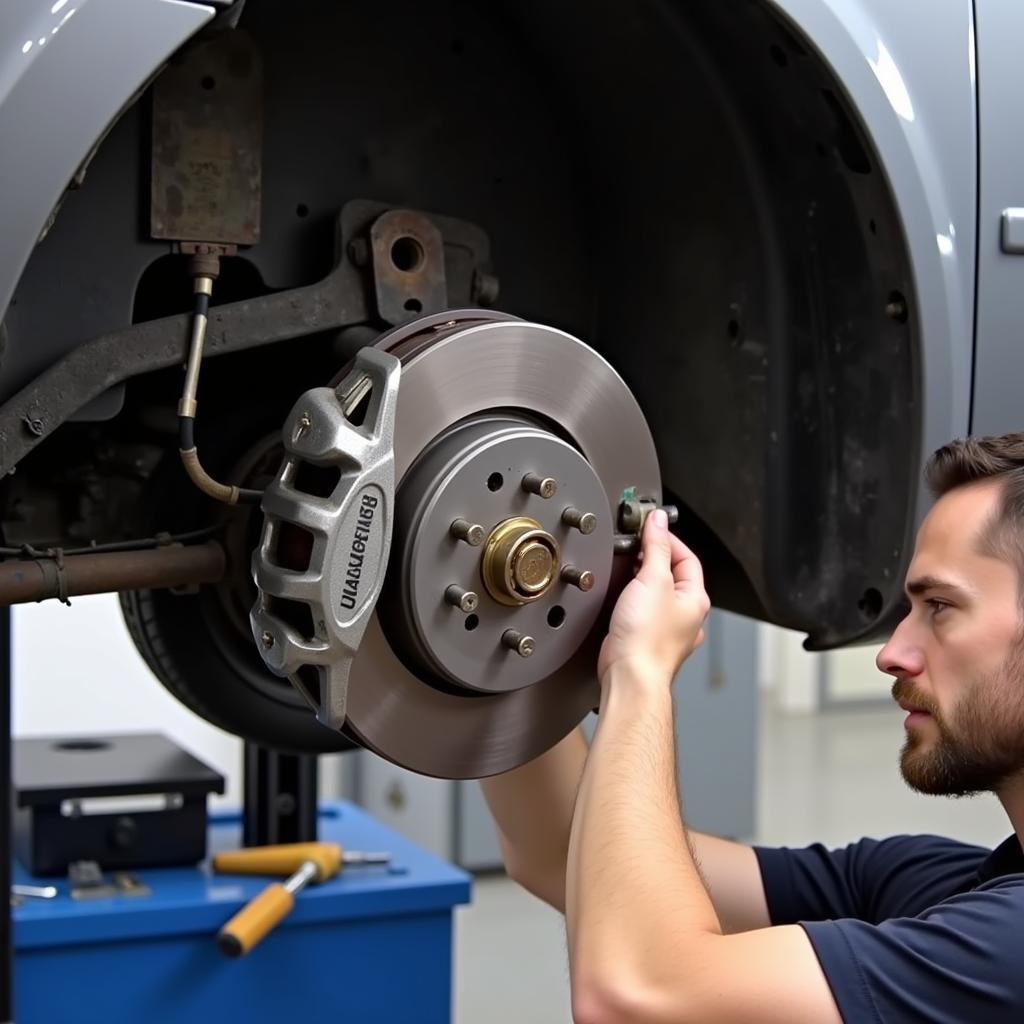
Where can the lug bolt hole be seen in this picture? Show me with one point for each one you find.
(495, 482)
(556, 617)
(472, 621)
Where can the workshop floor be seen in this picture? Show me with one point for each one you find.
(831, 777)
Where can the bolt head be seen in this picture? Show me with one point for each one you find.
(515, 641)
(896, 310)
(588, 523)
(465, 600)
(472, 533)
(302, 427)
(582, 578)
(545, 487)
(485, 288)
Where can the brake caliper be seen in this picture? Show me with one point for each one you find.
(349, 529)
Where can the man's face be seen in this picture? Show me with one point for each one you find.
(958, 657)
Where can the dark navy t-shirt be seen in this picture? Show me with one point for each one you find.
(913, 928)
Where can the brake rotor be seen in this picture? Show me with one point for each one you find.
(513, 446)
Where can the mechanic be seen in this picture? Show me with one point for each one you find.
(670, 925)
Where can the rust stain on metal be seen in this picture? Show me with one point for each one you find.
(408, 266)
(207, 140)
(76, 575)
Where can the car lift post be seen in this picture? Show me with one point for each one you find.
(6, 967)
(279, 797)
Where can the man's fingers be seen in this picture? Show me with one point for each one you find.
(664, 554)
(686, 567)
(657, 546)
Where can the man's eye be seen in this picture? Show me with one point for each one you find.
(936, 606)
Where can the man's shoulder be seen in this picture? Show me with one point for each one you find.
(872, 879)
(1005, 890)
(904, 875)
(956, 959)
(914, 851)
(920, 844)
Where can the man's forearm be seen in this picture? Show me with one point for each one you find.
(633, 888)
(532, 807)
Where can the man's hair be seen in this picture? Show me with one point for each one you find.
(988, 458)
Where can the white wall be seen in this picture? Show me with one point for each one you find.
(75, 670)
(793, 678)
(853, 675)
(788, 672)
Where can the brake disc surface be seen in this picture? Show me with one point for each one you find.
(482, 651)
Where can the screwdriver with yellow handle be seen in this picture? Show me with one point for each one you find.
(302, 862)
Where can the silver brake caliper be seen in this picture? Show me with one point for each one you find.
(350, 530)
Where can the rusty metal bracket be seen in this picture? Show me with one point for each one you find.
(422, 263)
(408, 266)
(207, 137)
(341, 299)
(35, 412)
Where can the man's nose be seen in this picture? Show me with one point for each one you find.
(902, 655)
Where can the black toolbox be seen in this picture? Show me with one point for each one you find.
(124, 801)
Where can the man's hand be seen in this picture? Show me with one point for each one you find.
(659, 618)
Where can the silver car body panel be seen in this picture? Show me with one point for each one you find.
(999, 365)
(916, 96)
(67, 69)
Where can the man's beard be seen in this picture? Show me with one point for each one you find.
(981, 746)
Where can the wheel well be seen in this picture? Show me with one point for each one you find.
(685, 186)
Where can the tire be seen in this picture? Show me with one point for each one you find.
(172, 636)
(198, 643)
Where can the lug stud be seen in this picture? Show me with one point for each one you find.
(465, 600)
(582, 578)
(516, 641)
(585, 522)
(472, 533)
(543, 486)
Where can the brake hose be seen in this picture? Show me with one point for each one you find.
(204, 269)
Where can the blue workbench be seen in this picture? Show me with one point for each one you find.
(371, 946)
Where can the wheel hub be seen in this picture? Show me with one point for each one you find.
(475, 474)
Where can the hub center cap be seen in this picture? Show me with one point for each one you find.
(520, 561)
